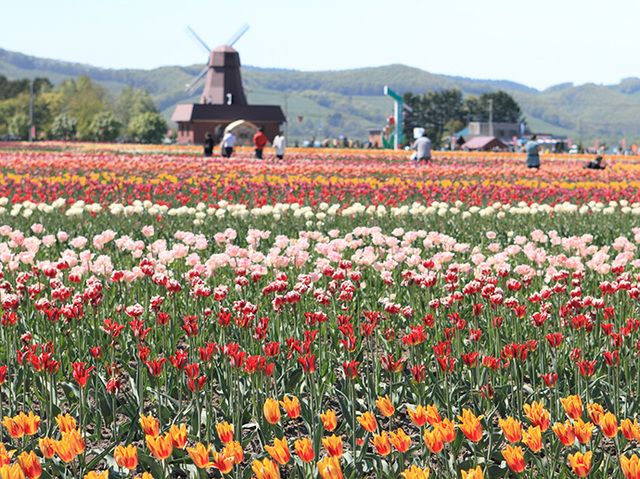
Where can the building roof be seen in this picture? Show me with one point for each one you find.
(206, 112)
(482, 142)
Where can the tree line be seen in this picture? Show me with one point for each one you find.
(443, 113)
(78, 109)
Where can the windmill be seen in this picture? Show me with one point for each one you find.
(223, 83)
(223, 101)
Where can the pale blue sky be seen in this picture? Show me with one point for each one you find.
(539, 44)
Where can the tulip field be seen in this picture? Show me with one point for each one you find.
(335, 314)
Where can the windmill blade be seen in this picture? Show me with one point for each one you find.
(198, 39)
(243, 29)
(192, 85)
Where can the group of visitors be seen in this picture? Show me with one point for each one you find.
(422, 153)
(229, 140)
(532, 148)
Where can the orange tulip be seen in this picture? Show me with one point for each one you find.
(581, 463)
(304, 450)
(333, 445)
(446, 429)
(473, 473)
(609, 425)
(368, 421)
(178, 436)
(222, 462)
(225, 432)
(511, 428)
(630, 467)
(470, 425)
(64, 449)
(565, 433)
(75, 440)
(234, 449)
(30, 465)
(629, 429)
(15, 428)
(271, 411)
(514, 458)
(95, 475)
(150, 425)
(582, 430)
(200, 455)
(126, 457)
(46, 447)
(538, 415)
(329, 468)
(66, 423)
(279, 451)
(400, 441)
(419, 416)
(596, 411)
(145, 475)
(382, 444)
(329, 420)
(160, 446)
(433, 440)
(266, 469)
(533, 438)
(385, 406)
(292, 406)
(5, 457)
(29, 423)
(414, 472)
(572, 406)
(11, 472)
(433, 416)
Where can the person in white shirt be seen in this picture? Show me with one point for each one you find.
(423, 148)
(227, 144)
(279, 144)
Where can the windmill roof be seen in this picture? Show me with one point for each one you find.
(207, 112)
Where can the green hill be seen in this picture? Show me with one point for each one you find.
(333, 103)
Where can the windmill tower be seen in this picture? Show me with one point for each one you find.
(223, 100)
(223, 82)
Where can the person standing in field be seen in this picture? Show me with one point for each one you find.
(532, 148)
(227, 144)
(279, 144)
(259, 142)
(423, 148)
(208, 144)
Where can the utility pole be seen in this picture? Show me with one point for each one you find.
(31, 129)
(490, 101)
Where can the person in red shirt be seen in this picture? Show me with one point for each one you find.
(259, 142)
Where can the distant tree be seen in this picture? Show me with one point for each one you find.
(64, 127)
(505, 108)
(83, 101)
(19, 126)
(433, 111)
(132, 102)
(148, 127)
(13, 88)
(104, 127)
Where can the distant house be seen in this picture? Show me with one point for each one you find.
(195, 120)
(504, 131)
(483, 143)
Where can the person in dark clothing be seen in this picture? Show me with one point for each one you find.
(595, 164)
(208, 144)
